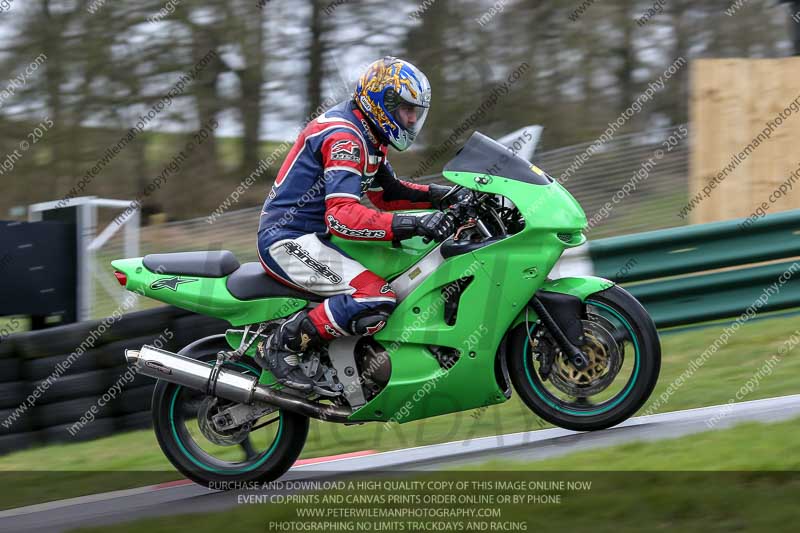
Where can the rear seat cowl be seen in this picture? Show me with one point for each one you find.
(209, 264)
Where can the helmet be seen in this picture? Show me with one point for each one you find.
(395, 96)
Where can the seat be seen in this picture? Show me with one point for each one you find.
(250, 282)
(212, 264)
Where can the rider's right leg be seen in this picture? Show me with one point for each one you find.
(359, 303)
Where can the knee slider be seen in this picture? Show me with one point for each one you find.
(369, 322)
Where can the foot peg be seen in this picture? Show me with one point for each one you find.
(295, 385)
(326, 392)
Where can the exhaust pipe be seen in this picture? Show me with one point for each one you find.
(226, 383)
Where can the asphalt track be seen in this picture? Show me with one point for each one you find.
(185, 497)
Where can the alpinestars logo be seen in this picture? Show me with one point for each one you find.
(386, 289)
(292, 248)
(366, 183)
(363, 233)
(331, 331)
(170, 283)
(372, 330)
(346, 150)
(368, 130)
(304, 340)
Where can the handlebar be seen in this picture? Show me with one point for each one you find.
(462, 212)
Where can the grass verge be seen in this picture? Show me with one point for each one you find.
(715, 382)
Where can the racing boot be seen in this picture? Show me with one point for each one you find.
(280, 352)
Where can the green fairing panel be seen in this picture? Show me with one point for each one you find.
(381, 257)
(206, 296)
(542, 246)
(418, 387)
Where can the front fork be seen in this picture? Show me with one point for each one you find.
(563, 323)
(560, 306)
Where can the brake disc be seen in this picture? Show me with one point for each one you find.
(605, 361)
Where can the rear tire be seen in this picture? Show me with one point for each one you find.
(203, 468)
(622, 307)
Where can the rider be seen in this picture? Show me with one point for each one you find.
(336, 159)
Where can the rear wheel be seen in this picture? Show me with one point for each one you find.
(260, 451)
(625, 359)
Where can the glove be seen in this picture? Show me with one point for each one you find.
(437, 192)
(437, 226)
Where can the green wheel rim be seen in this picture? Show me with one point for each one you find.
(605, 408)
(206, 467)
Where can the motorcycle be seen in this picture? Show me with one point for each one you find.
(477, 317)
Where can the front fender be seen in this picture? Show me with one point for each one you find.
(580, 286)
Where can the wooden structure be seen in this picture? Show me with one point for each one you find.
(745, 127)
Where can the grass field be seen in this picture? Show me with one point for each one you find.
(750, 446)
(716, 382)
(634, 487)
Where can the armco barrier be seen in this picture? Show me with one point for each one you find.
(699, 273)
(28, 359)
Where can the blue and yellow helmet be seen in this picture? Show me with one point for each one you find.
(388, 84)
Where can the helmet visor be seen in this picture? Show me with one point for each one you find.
(410, 117)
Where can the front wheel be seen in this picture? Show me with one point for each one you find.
(624, 352)
(260, 452)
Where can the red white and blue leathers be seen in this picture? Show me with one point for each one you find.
(335, 161)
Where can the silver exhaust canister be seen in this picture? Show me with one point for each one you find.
(227, 384)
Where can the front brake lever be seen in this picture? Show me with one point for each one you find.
(464, 227)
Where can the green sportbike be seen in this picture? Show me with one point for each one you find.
(477, 316)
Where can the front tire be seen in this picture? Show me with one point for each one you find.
(259, 459)
(638, 347)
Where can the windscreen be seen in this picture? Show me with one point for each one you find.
(483, 155)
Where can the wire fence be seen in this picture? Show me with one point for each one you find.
(652, 201)
(660, 184)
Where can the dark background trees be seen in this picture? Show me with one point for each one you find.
(277, 62)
